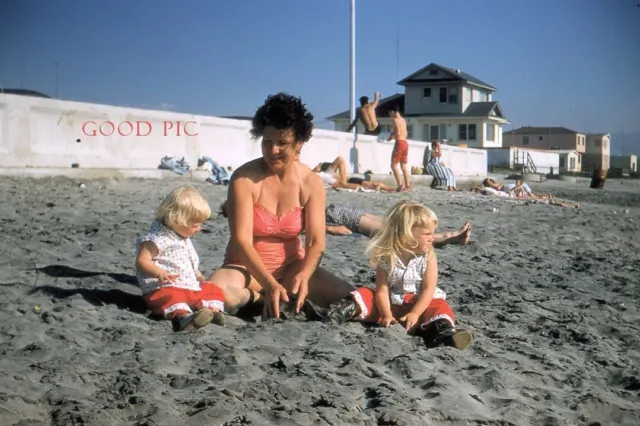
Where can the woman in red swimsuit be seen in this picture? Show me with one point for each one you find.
(272, 200)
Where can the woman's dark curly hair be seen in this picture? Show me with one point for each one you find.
(283, 111)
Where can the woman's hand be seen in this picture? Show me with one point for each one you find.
(410, 320)
(387, 320)
(300, 288)
(274, 293)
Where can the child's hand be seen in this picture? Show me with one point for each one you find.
(387, 320)
(165, 278)
(410, 321)
(201, 279)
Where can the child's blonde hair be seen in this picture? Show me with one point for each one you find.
(184, 206)
(396, 235)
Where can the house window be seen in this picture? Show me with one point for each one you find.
(467, 94)
(467, 132)
(426, 92)
(443, 95)
(433, 72)
(562, 162)
(491, 132)
(484, 97)
(409, 131)
(540, 138)
(472, 132)
(443, 131)
(525, 140)
(453, 95)
(572, 163)
(434, 133)
(387, 128)
(579, 159)
(462, 132)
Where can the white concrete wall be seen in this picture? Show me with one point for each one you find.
(504, 157)
(39, 132)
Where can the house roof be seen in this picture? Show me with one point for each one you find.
(565, 151)
(475, 110)
(25, 92)
(453, 74)
(598, 135)
(529, 130)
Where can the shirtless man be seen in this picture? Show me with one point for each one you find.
(400, 155)
(367, 115)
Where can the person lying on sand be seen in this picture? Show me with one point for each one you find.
(519, 189)
(345, 220)
(335, 175)
(167, 264)
(406, 281)
(272, 200)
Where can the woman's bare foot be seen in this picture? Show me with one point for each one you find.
(463, 236)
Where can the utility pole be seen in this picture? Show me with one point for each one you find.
(57, 78)
(352, 67)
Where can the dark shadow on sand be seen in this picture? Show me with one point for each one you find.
(97, 297)
(63, 271)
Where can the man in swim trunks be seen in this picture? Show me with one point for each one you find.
(345, 220)
(367, 115)
(400, 155)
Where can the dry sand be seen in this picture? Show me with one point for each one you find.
(551, 293)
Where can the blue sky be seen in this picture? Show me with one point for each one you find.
(570, 63)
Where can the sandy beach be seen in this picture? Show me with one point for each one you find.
(551, 294)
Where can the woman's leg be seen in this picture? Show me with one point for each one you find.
(238, 286)
(324, 287)
(451, 179)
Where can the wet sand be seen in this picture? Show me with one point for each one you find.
(550, 292)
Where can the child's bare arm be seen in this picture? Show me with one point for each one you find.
(382, 294)
(144, 263)
(429, 282)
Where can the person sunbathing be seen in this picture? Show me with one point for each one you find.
(335, 175)
(520, 189)
(343, 220)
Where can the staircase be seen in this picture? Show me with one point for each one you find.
(523, 160)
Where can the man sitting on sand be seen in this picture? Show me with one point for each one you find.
(345, 220)
(335, 175)
(367, 115)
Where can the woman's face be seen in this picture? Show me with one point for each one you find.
(279, 147)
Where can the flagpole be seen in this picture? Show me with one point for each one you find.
(352, 70)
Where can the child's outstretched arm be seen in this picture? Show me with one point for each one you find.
(429, 282)
(144, 263)
(383, 302)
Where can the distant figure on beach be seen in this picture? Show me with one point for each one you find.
(167, 264)
(520, 189)
(345, 220)
(442, 175)
(400, 154)
(335, 175)
(271, 201)
(367, 115)
(406, 281)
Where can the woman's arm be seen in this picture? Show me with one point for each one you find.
(315, 226)
(429, 282)
(240, 209)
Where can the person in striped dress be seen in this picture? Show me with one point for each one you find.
(442, 175)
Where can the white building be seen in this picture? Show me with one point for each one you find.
(442, 103)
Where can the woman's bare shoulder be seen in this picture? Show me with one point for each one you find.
(251, 170)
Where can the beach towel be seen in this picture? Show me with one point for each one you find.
(171, 163)
(219, 175)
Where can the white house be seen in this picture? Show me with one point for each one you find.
(442, 103)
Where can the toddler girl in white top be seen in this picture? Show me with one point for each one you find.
(406, 281)
(167, 264)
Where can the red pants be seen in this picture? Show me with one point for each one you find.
(400, 152)
(171, 302)
(365, 300)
